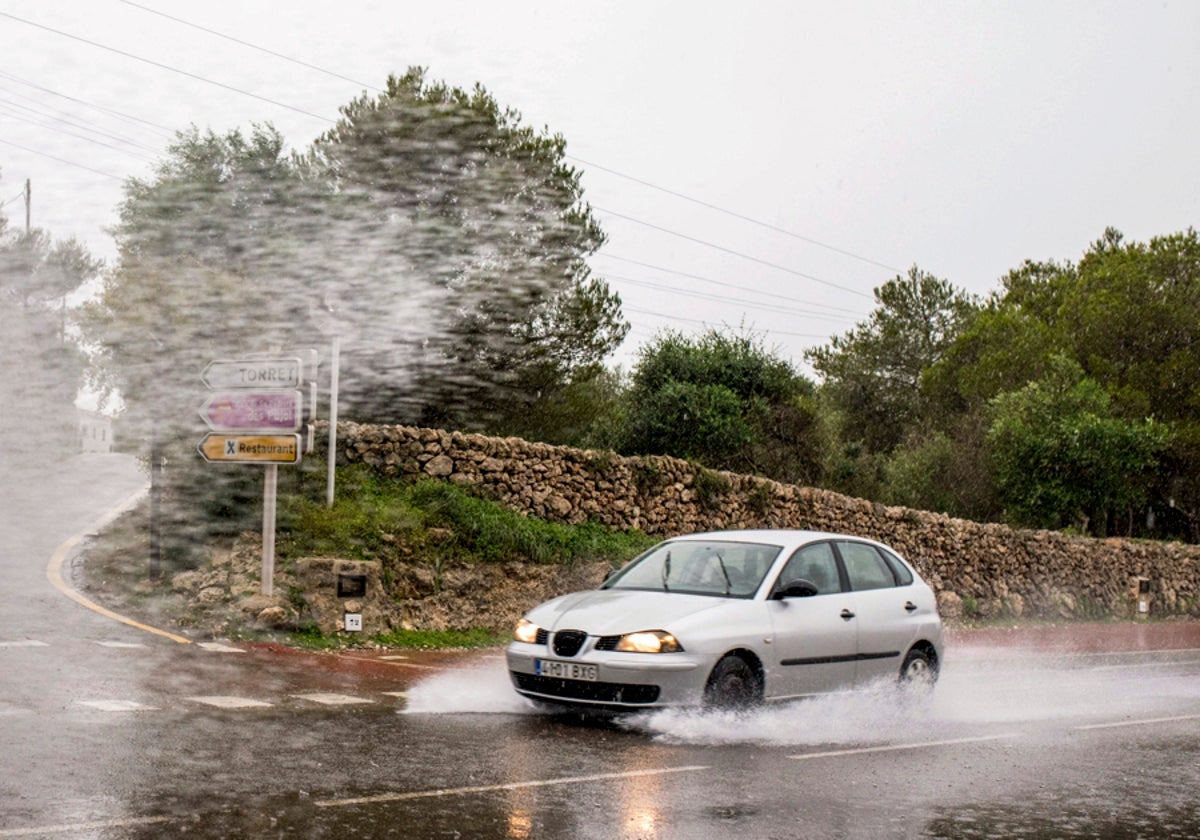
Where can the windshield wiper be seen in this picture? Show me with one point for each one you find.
(725, 572)
(666, 572)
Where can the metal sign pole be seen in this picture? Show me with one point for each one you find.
(270, 487)
(334, 362)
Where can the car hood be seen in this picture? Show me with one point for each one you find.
(606, 612)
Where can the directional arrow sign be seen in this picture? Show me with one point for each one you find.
(246, 411)
(251, 449)
(252, 373)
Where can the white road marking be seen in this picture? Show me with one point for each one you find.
(913, 746)
(220, 647)
(77, 828)
(395, 658)
(117, 706)
(332, 699)
(1141, 722)
(23, 643)
(227, 702)
(121, 644)
(571, 780)
(400, 694)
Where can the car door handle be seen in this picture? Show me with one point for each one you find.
(846, 614)
(910, 606)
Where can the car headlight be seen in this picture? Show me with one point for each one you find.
(649, 641)
(526, 631)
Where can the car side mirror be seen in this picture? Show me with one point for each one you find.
(798, 588)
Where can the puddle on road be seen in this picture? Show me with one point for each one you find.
(997, 692)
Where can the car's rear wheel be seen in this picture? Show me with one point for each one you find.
(919, 669)
(733, 684)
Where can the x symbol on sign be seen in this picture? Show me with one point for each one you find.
(230, 447)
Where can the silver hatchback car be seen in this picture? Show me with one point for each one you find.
(730, 619)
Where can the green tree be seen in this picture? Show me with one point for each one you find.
(1126, 314)
(1060, 456)
(41, 365)
(441, 239)
(872, 374)
(487, 216)
(724, 400)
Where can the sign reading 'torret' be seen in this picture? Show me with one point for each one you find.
(252, 373)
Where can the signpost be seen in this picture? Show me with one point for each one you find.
(253, 373)
(233, 411)
(250, 449)
(254, 400)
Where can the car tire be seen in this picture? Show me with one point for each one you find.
(919, 669)
(733, 684)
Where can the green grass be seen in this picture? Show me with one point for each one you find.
(442, 639)
(378, 518)
(310, 637)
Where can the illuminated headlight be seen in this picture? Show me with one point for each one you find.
(526, 631)
(649, 641)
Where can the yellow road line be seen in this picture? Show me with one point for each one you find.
(55, 566)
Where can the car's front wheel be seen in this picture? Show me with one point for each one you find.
(733, 684)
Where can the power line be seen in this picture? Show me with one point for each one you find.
(251, 46)
(664, 315)
(162, 66)
(60, 160)
(327, 119)
(725, 250)
(167, 130)
(43, 124)
(674, 193)
(777, 296)
(736, 215)
(66, 118)
(723, 299)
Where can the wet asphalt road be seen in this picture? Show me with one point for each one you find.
(108, 731)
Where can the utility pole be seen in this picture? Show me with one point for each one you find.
(28, 201)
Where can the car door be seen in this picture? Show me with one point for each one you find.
(814, 643)
(884, 614)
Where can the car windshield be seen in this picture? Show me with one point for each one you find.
(726, 569)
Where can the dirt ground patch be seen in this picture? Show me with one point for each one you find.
(222, 597)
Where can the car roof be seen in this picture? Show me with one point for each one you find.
(788, 538)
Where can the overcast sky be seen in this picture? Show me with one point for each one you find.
(761, 164)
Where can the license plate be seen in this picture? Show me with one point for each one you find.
(565, 670)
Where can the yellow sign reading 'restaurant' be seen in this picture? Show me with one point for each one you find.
(251, 449)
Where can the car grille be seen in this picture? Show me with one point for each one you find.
(569, 642)
(593, 692)
(543, 636)
(607, 642)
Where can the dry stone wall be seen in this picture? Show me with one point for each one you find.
(977, 569)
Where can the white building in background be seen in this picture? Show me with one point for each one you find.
(95, 431)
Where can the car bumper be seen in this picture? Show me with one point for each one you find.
(624, 681)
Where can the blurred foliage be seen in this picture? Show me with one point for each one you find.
(443, 241)
(42, 365)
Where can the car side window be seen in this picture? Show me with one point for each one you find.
(815, 563)
(865, 567)
(904, 577)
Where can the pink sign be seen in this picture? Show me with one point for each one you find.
(240, 411)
